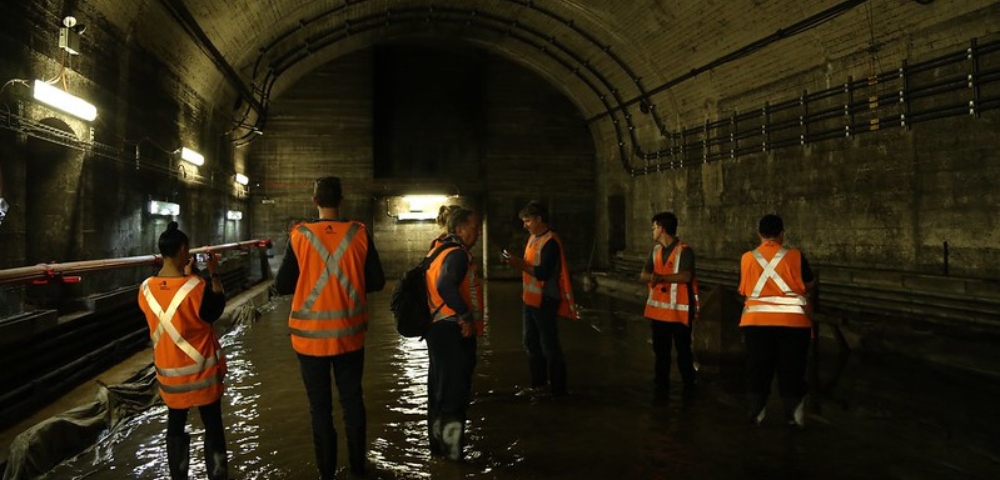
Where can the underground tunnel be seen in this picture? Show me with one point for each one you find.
(656, 239)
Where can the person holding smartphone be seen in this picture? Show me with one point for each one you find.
(180, 308)
(547, 294)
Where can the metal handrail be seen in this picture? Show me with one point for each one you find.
(52, 271)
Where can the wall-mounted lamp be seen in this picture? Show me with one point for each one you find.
(192, 157)
(164, 208)
(419, 207)
(242, 179)
(61, 100)
(234, 215)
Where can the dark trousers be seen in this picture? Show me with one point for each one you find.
(781, 350)
(347, 368)
(678, 334)
(215, 441)
(541, 339)
(449, 386)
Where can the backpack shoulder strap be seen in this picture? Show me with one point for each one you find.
(437, 252)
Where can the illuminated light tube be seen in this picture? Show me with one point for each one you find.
(416, 215)
(234, 215)
(420, 203)
(192, 156)
(242, 179)
(61, 100)
(164, 208)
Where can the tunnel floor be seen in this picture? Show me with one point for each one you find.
(612, 426)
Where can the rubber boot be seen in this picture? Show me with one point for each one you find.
(216, 460)
(326, 455)
(357, 449)
(795, 411)
(178, 456)
(557, 375)
(434, 436)
(756, 408)
(453, 439)
(539, 371)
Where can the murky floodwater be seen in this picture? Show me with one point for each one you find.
(611, 427)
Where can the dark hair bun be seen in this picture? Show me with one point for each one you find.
(172, 226)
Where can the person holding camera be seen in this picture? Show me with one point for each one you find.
(672, 302)
(180, 308)
(547, 294)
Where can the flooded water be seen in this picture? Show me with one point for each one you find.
(612, 426)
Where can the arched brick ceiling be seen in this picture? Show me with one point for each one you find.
(601, 53)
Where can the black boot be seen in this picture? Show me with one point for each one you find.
(795, 411)
(538, 368)
(216, 461)
(557, 374)
(178, 456)
(357, 449)
(756, 408)
(326, 455)
(453, 438)
(434, 435)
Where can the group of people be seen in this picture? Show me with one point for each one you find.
(331, 264)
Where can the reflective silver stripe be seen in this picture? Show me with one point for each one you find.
(331, 265)
(533, 245)
(439, 315)
(190, 387)
(328, 314)
(770, 273)
(533, 288)
(166, 318)
(667, 306)
(331, 332)
(796, 300)
(775, 309)
(191, 369)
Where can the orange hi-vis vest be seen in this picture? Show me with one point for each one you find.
(771, 281)
(329, 311)
(438, 241)
(533, 288)
(471, 289)
(671, 304)
(188, 358)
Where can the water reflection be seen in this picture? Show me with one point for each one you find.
(613, 425)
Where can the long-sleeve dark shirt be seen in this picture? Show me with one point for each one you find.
(288, 273)
(454, 269)
(212, 304)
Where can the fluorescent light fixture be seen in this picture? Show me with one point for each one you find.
(192, 156)
(416, 216)
(234, 215)
(164, 208)
(61, 100)
(422, 203)
(242, 179)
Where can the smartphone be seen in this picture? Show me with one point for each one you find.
(201, 257)
(505, 255)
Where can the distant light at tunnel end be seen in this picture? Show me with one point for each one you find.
(56, 98)
(164, 208)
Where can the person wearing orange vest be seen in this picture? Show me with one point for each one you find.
(442, 222)
(455, 297)
(180, 308)
(547, 294)
(330, 265)
(775, 281)
(672, 302)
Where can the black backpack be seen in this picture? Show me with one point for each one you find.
(409, 299)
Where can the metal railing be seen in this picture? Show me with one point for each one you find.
(70, 272)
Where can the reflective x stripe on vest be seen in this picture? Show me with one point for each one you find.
(472, 281)
(331, 267)
(790, 303)
(165, 324)
(672, 305)
(534, 285)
